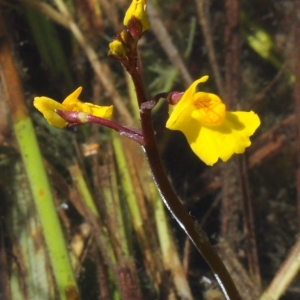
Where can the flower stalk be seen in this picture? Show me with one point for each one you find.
(201, 113)
(168, 195)
(166, 191)
(76, 118)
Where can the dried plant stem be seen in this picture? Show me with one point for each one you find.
(127, 272)
(112, 12)
(297, 100)
(203, 13)
(103, 279)
(47, 10)
(132, 202)
(231, 188)
(251, 245)
(80, 246)
(169, 252)
(114, 247)
(4, 284)
(115, 214)
(88, 208)
(232, 52)
(237, 271)
(235, 177)
(161, 33)
(285, 275)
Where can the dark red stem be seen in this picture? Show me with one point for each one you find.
(168, 195)
(73, 118)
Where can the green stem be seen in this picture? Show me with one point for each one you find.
(42, 195)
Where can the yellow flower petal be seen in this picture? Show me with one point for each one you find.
(209, 109)
(72, 99)
(214, 142)
(184, 102)
(137, 9)
(182, 119)
(72, 103)
(104, 112)
(46, 106)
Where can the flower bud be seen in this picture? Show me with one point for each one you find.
(137, 12)
(174, 97)
(116, 48)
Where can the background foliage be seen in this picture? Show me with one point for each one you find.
(121, 243)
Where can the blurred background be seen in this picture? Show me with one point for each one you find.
(112, 238)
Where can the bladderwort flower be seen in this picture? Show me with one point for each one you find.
(211, 131)
(137, 9)
(47, 106)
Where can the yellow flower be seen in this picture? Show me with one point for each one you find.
(137, 9)
(47, 105)
(211, 131)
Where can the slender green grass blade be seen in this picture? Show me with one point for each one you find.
(42, 195)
